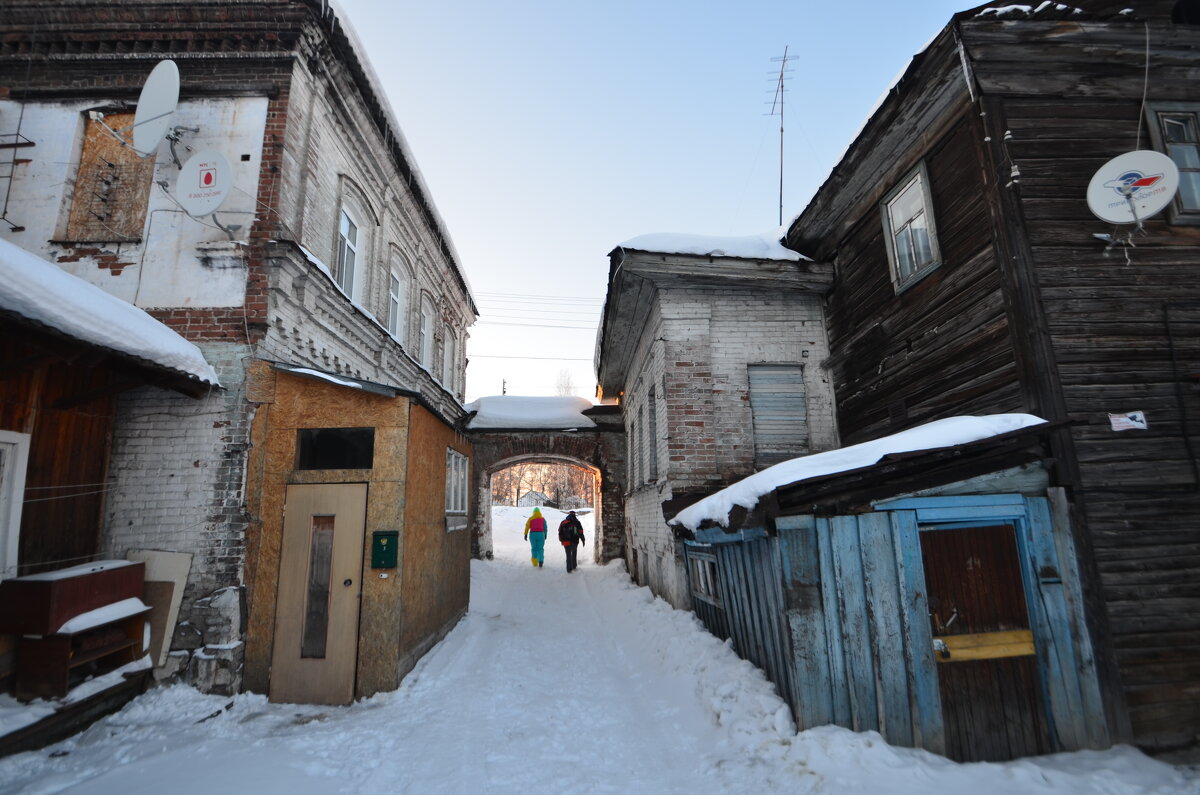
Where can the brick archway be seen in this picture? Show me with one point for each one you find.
(600, 449)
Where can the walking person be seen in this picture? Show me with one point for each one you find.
(535, 534)
(570, 533)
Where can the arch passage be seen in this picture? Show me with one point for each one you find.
(601, 450)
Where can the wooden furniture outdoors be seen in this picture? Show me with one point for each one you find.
(76, 622)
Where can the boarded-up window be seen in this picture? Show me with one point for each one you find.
(780, 411)
(112, 186)
(652, 436)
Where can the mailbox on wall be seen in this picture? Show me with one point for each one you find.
(383, 548)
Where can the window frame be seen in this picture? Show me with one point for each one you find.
(449, 352)
(425, 335)
(1177, 214)
(344, 277)
(397, 309)
(902, 281)
(457, 503)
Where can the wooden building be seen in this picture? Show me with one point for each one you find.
(971, 278)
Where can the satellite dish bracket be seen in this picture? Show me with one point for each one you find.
(173, 137)
(229, 230)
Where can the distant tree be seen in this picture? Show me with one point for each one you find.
(564, 386)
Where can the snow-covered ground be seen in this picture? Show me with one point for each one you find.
(578, 683)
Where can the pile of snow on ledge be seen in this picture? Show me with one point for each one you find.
(764, 246)
(44, 293)
(514, 411)
(939, 433)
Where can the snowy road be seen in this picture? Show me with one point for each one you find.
(578, 683)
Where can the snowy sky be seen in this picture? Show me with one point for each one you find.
(549, 132)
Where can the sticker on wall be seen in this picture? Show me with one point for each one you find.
(1130, 421)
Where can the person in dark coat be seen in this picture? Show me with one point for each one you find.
(570, 533)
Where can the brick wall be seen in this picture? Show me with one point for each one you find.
(694, 354)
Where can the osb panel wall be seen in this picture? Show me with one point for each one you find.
(436, 564)
(287, 403)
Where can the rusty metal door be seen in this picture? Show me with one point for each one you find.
(992, 703)
(316, 620)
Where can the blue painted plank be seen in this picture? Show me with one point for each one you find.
(1096, 723)
(800, 563)
(856, 627)
(968, 513)
(928, 726)
(887, 637)
(1051, 632)
(834, 629)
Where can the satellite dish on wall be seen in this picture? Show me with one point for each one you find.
(204, 183)
(1133, 187)
(156, 105)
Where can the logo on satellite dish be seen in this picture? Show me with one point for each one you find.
(1133, 181)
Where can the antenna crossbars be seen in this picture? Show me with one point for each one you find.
(777, 102)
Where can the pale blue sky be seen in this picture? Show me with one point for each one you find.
(549, 132)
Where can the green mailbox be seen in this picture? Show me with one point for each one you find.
(383, 548)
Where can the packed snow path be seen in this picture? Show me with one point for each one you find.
(580, 683)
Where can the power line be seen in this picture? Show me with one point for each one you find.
(546, 358)
(532, 325)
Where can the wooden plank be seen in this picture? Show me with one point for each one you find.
(882, 590)
(834, 628)
(860, 664)
(1052, 638)
(925, 700)
(985, 646)
(1042, 520)
(811, 677)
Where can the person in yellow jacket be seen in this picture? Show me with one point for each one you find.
(535, 534)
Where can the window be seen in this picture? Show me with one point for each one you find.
(112, 186)
(397, 299)
(456, 490)
(425, 341)
(448, 353)
(780, 413)
(909, 230)
(335, 448)
(652, 437)
(1175, 130)
(347, 253)
(641, 449)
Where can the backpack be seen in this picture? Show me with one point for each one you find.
(569, 530)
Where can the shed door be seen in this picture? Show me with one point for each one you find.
(316, 618)
(987, 673)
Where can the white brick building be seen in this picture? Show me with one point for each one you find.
(714, 348)
(328, 254)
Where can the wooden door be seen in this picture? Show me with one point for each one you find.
(991, 695)
(316, 614)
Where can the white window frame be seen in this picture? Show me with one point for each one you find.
(12, 498)
(397, 300)
(346, 261)
(893, 227)
(425, 341)
(1177, 213)
(449, 351)
(457, 480)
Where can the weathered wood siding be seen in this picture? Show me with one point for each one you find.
(1122, 326)
(941, 347)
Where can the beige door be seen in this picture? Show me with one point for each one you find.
(316, 615)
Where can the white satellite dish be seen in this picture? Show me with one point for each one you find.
(204, 183)
(1133, 187)
(156, 105)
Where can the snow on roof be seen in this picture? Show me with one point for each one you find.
(44, 293)
(764, 246)
(512, 411)
(940, 433)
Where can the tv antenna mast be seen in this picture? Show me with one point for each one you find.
(777, 102)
